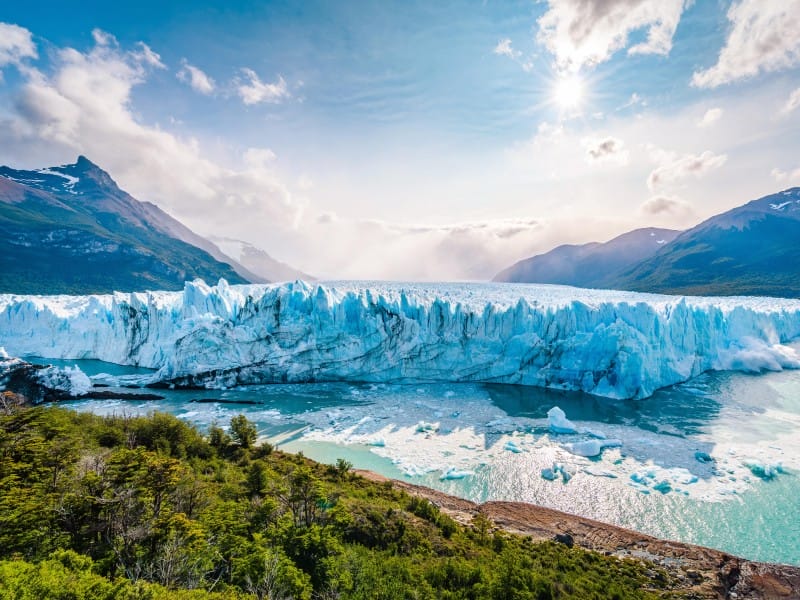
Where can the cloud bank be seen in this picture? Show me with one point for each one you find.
(763, 38)
(588, 32)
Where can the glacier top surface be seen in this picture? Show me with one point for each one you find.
(472, 296)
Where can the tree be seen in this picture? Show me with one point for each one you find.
(244, 432)
(343, 468)
(257, 478)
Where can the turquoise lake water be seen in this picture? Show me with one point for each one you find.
(714, 461)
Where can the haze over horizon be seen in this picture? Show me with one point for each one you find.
(409, 141)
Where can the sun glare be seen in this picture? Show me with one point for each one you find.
(568, 92)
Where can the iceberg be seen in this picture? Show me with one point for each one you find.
(607, 343)
(70, 380)
(763, 470)
(591, 448)
(552, 473)
(452, 473)
(558, 422)
(549, 474)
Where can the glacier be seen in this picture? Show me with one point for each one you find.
(608, 343)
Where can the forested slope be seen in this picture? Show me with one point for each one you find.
(147, 507)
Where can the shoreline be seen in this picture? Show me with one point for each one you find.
(704, 572)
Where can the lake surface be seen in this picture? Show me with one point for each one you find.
(714, 461)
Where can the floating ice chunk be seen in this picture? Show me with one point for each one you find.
(558, 422)
(549, 474)
(703, 457)
(69, 379)
(643, 477)
(511, 446)
(415, 471)
(425, 427)
(590, 448)
(378, 443)
(552, 473)
(663, 486)
(763, 470)
(453, 473)
(566, 471)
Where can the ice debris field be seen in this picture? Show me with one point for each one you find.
(606, 343)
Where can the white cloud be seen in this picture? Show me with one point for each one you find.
(258, 158)
(16, 44)
(666, 205)
(504, 48)
(634, 100)
(196, 78)
(254, 91)
(674, 168)
(103, 38)
(460, 251)
(607, 150)
(588, 32)
(711, 116)
(792, 103)
(84, 106)
(763, 38)
(145, 55)
(782, 176)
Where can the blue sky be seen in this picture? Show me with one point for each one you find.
(412, 140)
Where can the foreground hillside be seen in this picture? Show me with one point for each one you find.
(131, 507)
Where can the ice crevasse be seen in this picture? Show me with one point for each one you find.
(613, 344)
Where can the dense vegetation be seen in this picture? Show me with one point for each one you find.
(147, 507)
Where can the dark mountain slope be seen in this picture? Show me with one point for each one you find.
(70, 229)
(751, 250)
(589, 265)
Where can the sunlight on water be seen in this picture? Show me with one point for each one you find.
(713, 461)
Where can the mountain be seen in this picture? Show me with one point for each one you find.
(71, 229)
(258, 262)
(590, 265)
(750, 250)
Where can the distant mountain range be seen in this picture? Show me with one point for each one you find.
(592, 265)
(259, 262)
(751, 250)
(71, 229)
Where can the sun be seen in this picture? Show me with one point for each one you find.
(568, 92)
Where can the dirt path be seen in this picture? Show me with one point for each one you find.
(702, 572)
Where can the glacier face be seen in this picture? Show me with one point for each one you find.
(613, 344)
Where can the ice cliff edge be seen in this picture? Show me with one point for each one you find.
(614, 344)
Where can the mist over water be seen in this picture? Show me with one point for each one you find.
(714, 461)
